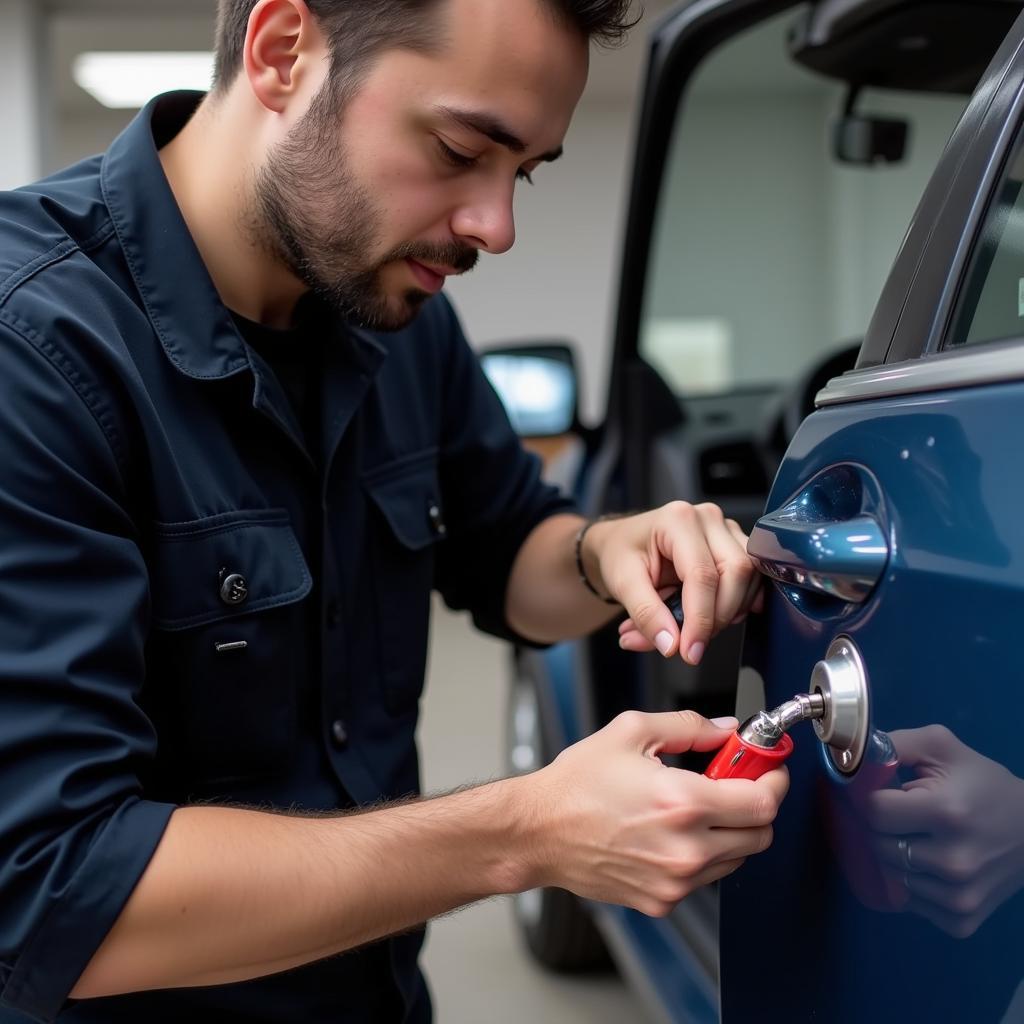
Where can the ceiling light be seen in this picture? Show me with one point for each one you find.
(130, 80)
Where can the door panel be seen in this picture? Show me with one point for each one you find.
(823, 922)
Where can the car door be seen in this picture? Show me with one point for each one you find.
(894, 542)
(751, 257)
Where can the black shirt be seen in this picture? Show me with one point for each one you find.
(295, 354)
(196, 606)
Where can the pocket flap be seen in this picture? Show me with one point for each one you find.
(224, 565)
(408, 495)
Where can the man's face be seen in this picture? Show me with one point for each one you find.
(372, 206)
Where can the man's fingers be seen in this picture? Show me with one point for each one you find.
(717, 872)
(743, 803)
(630, 638)
(927, 855)
(695, 565)
(902, 812)
(709, 556)
(707, 553)
(635, 641)
(754, 600)
(929, 744)
(674, 732)
(648, 615)
(736, 573)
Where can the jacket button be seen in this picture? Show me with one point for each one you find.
(436, 519)
(234, 589)
(339, 733)
(334, 614)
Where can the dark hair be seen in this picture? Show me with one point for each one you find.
(359, 29)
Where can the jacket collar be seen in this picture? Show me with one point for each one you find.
(180, 298)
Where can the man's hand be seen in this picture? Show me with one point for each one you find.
(961, 816)
(642, 558)
(613, 823)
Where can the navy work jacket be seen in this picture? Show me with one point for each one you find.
(191, 607)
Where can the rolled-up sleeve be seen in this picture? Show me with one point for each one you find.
(75, 831)
(492, 489)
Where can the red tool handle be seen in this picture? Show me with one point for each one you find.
(739, 759)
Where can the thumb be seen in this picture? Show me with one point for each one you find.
(929, 744)
(674, 732)
(649, 614)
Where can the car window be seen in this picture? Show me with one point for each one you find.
(991, 304)
(767, 251)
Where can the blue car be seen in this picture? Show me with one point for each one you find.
(821, 329)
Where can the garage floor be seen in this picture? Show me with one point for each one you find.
(474, 961)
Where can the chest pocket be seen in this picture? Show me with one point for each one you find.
(229, 630)
(408, 524)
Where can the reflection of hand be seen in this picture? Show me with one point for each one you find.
(678, 543)
(613, 823)
(963, 818)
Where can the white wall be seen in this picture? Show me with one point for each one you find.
(23, 90)
(561, 278)
(740, 236)
(762, 232)
(870, 209)
(82, 135)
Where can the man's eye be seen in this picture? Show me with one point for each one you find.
(522, 175)
(453, 157)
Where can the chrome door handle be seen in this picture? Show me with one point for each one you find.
(844, 559)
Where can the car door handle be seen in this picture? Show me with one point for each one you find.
(844, 559)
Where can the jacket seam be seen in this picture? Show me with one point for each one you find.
(261, 605)
(402, 466)
(64, 248)
(86, 393)
(222, 522)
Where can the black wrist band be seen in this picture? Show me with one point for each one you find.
(580, 534)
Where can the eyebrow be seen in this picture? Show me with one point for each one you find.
(487, 124)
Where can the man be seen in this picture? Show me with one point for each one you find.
(224, 503)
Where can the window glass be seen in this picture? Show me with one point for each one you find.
(768, 251)
(991, 305)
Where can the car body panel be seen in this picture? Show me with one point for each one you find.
(937, 640)
(891, 940)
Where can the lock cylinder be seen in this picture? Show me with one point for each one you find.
(841, 679)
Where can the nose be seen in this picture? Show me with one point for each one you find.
(485, 220)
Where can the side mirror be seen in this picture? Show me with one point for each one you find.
(537, 384)
(864, 141)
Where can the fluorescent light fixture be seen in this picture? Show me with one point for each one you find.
(130, 80)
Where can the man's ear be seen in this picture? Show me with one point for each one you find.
(283, 46)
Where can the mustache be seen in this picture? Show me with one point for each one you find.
(461, 258)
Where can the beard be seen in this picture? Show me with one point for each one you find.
(310, 213)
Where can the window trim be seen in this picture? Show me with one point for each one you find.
(994, 362)
(931, 267)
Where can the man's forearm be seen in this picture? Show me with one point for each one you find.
(546, 600)
(236, 894)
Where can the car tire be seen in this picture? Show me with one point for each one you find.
(558, 931)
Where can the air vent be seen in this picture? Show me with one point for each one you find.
(732, 469)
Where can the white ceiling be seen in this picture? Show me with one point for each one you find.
(76, 26)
